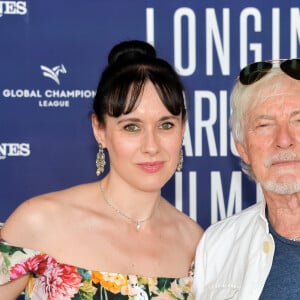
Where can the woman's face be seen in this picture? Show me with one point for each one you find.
(143, 145)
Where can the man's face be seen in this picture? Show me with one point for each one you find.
(272, 139)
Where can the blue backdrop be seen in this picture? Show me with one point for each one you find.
(51, 56)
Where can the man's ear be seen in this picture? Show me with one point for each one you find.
(98, 130)
(242, 150)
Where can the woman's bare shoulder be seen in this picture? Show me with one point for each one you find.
(35, 216)
(191, 227)
(184, 223)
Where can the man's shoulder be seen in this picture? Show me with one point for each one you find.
(237, 222)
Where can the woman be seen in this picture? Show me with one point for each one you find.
(117, 238)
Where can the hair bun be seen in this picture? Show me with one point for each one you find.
(130, 50)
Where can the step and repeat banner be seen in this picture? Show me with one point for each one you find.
(51, 57)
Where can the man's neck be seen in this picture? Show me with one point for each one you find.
(284, 214)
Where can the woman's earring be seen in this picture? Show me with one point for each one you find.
(180, 161)
(100, 160)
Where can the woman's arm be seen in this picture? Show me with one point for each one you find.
(13, 289)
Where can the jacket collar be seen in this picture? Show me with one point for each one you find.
(262, 215)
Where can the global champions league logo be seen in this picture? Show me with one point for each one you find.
(54, 72)
(61, 97)
(50, 98)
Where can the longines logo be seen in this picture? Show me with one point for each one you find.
(54, 72)
(13, 8)
(14, 149)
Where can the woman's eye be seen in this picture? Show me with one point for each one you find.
(166, 125)
(131, 127)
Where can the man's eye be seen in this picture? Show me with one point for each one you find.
(131, 127)
(166, 125)
(263, 125)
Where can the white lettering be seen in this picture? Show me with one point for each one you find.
(295, 31)
(255, 47)
(192, 200)
(223, 123)
(187, 141)
(2, 151)
(13, 8)
(202, 124)
(275, 33)
(14, 149)
(70, 94)
(218, 211)
(21, 7)
(150, 25)
(54, 103)
(188, 48)
(188, 14)
(21, 93)
(213, 34)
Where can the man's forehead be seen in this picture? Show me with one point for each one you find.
(278, 87)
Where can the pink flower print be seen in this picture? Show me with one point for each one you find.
(54, 281)
(32, 264)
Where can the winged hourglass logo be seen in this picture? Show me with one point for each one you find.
(53, 73)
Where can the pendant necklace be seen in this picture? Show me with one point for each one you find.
(138, 223)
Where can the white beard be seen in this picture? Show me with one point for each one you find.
(282, 188)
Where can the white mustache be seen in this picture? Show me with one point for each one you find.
(284, 156)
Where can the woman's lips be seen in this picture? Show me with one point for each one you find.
(151, 167)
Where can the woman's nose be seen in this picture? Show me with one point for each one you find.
(150, 142)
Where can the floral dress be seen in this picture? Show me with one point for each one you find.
(51, 280)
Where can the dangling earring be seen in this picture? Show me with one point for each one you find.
(180, 161)
(100, 160)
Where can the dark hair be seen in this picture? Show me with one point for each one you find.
(130, 65)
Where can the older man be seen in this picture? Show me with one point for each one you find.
(256, 254)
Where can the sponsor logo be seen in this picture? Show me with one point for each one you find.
(14, 149)
(13, 8)
(54, 72)
(50, 97)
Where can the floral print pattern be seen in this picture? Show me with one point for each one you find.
(51, 280)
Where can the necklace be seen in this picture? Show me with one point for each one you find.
(138, 223)
(295, 239)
